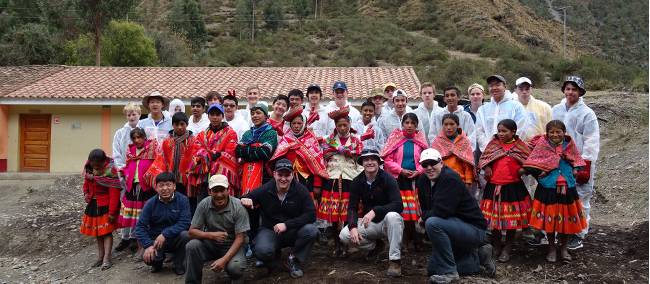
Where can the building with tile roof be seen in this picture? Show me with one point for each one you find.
(52, 116)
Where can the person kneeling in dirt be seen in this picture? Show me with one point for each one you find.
(218, 233)
(453, 221)
(288, 215)
(162, 225)
(378, 194)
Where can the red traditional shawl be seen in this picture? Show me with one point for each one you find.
(108, 177)
(313, 116)
(333, 146)
(494, 151)
(306, 147)
(165, 160)
(546, 156)
(461, 147)
(277, 125)
(399, 137)
(223, 141)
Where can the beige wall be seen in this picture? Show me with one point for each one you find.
(69, 146)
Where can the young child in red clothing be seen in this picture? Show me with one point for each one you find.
(101, 190)
(505, 203)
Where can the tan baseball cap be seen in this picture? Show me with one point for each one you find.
(218, 180)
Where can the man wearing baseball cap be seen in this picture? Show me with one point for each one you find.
(340, 91)
(452, 220)
(218, 234)
(499, 108)
(392, 119)
(288, 215)
(538, 112)
(378, 194)
(582, 125)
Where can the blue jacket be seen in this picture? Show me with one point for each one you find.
(157, 217)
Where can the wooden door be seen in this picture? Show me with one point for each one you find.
(35, 132)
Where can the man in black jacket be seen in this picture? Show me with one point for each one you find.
(288, 215)
(453, 221)
(378, 194)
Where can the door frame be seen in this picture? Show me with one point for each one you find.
(21, 121)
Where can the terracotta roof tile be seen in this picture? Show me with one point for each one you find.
(76, 82)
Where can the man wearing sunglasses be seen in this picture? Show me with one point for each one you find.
(453, 221)
(218, 234)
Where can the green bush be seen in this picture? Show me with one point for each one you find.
(522, 69)
(125, 44)
(461, 72)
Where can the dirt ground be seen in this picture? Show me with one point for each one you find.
(40, 217)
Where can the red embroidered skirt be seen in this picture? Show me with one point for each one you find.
(506, 207)
(410, 202)
(558, 210)
(95, 221)
(334, 201)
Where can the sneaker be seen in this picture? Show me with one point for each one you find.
(487, 261)
(574, 243)
(124, 244)
(445, 278)
(394, 269)
(538, 241)
(294, 268)
(259, 263)
(249, 251)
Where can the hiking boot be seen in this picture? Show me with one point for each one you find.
(575, 243)
(445, 278)
(124, 244)
(394, 268)
(379, 247)
(156, 267)
(294, 268)
(487, 260)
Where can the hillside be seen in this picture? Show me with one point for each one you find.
(447, 41)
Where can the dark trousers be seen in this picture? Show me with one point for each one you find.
(200, 251)
(174, 246)
(301, 240)
(455, 246)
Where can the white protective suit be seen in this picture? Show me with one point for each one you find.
(388, 122)
(196, 128)
(121, 142)
(425, 118)
(582, 125)
(379, 141)
(489, 115)
(319, 126)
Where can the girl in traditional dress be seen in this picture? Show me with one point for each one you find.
(141, 154)
(214, 153)
(554, 160)
(456, 149)
(302, 148)
(505, 203)
(341, 149)
(401, 160)
(276, 117)
(101, 189)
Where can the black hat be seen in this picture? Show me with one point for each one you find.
(495, 77)
(283, 164)
(369, 153)
(314, 87)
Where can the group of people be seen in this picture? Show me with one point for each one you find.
(224, 184)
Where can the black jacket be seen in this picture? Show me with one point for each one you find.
(295, 211)
(382, 196)
(448, 198)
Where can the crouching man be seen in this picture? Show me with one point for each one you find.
(163, 223)
(378, 194)
(218, 234)
(288, 215)
(453, 221)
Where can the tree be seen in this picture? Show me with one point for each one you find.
(127, 45)
(302, 8)
(98, 13)
(185, 18)
(31, 43)
(273, 15)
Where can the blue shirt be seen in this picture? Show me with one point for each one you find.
(168, 219)
(408, 161)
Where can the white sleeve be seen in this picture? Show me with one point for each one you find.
(434, 126)
(591, 137)
(470, 128)
(480, 131)
(118, 149)
(520, 117)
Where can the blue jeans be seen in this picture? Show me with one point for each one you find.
(267, 242)
(455, 246)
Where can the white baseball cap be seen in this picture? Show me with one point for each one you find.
(218, 180)
(522, 80)
(430, 154)
(400, 92)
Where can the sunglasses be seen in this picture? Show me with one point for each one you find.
(430, 163)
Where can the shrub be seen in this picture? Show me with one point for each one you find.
(521, 68)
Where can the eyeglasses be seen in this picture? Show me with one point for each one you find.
(427, 164)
